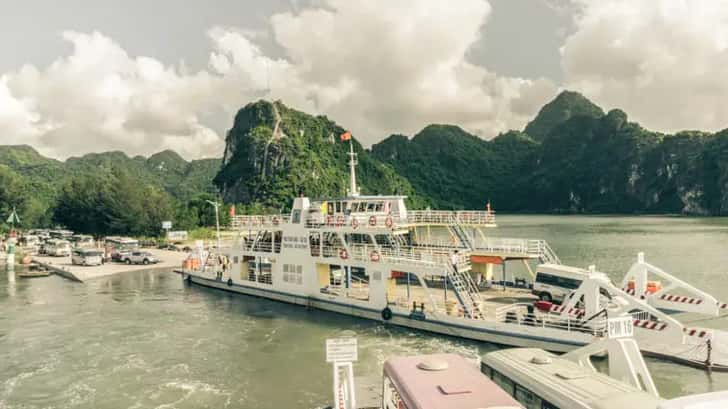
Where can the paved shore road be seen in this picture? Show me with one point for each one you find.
(168, 259)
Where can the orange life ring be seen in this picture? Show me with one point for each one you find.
(340, 220)
(389, 222)
(275, 220)
(354, 223)
(372, 221)
(343, 254)
(374, 256)
(330, 220)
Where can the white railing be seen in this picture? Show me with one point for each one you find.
(355, 221)
(523, 247)
(244, 222)
(518, 314)
(445, 217)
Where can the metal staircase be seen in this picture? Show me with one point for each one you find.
(466, 292)
(462, 235)
(547, 254)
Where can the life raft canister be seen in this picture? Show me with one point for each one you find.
(354, 223)
(389, 222)
(374, 256)
(372, 221)
(343, 254)
(386, 314)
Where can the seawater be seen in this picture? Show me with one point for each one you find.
(147, 340)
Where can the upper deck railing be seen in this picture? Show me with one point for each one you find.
(446, 217)
(374, 220)
(516, 247)
(403, 256)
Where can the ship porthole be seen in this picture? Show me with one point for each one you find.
(230, 282)
(386, 314)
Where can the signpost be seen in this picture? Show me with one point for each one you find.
(620, 327)
(342, 352)
(177, 235)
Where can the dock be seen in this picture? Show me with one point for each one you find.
(62, 266)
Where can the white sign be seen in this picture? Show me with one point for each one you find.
(341, 350)
(166, 225)
(180, 235)
(621, 327)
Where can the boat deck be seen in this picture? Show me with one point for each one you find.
(404, 296)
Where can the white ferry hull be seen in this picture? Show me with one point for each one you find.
(485, 331)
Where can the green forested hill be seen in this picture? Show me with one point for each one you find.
(571, 158)
(37, 186)
(274, 152)
(579, 160)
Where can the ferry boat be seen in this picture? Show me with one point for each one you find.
(371, 257)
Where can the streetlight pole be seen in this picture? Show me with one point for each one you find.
(217, 220)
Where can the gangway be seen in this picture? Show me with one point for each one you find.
(684, 297)
(466, 292)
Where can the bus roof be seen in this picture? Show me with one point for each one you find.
(564, 383)
(459, 385)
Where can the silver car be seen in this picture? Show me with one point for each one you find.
(140, 257)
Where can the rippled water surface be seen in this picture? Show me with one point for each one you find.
(146, 340)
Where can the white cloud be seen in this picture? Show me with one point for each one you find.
(665, 62)
(376, 67)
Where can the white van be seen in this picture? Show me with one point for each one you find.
(58, 248)
(87, 257)
(555, 282)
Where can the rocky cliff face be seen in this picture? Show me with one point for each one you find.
(274, 152)
(581, 161)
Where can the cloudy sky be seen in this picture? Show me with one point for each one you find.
(140, 76)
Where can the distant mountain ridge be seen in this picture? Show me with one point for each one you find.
(571, 158)
(42, 178)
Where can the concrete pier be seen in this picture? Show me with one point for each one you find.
(63, 267)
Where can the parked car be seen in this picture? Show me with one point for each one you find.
(87, 257)
(120, 255)
(140, 257)
(57, 248)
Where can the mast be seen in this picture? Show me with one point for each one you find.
(353, 188)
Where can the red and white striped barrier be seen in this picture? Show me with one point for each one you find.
(692, 332)
(572, 311)
(681, 299)
(647, 324)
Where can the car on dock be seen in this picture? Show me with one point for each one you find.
(57, 248)
(140, 257)
(87, 257)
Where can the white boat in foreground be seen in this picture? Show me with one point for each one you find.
(370, 257)
(542, 380)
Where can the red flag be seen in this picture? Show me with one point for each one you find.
(232, 211)
(345, 136)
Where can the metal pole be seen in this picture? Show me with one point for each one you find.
(503, 266)
(217, 220)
